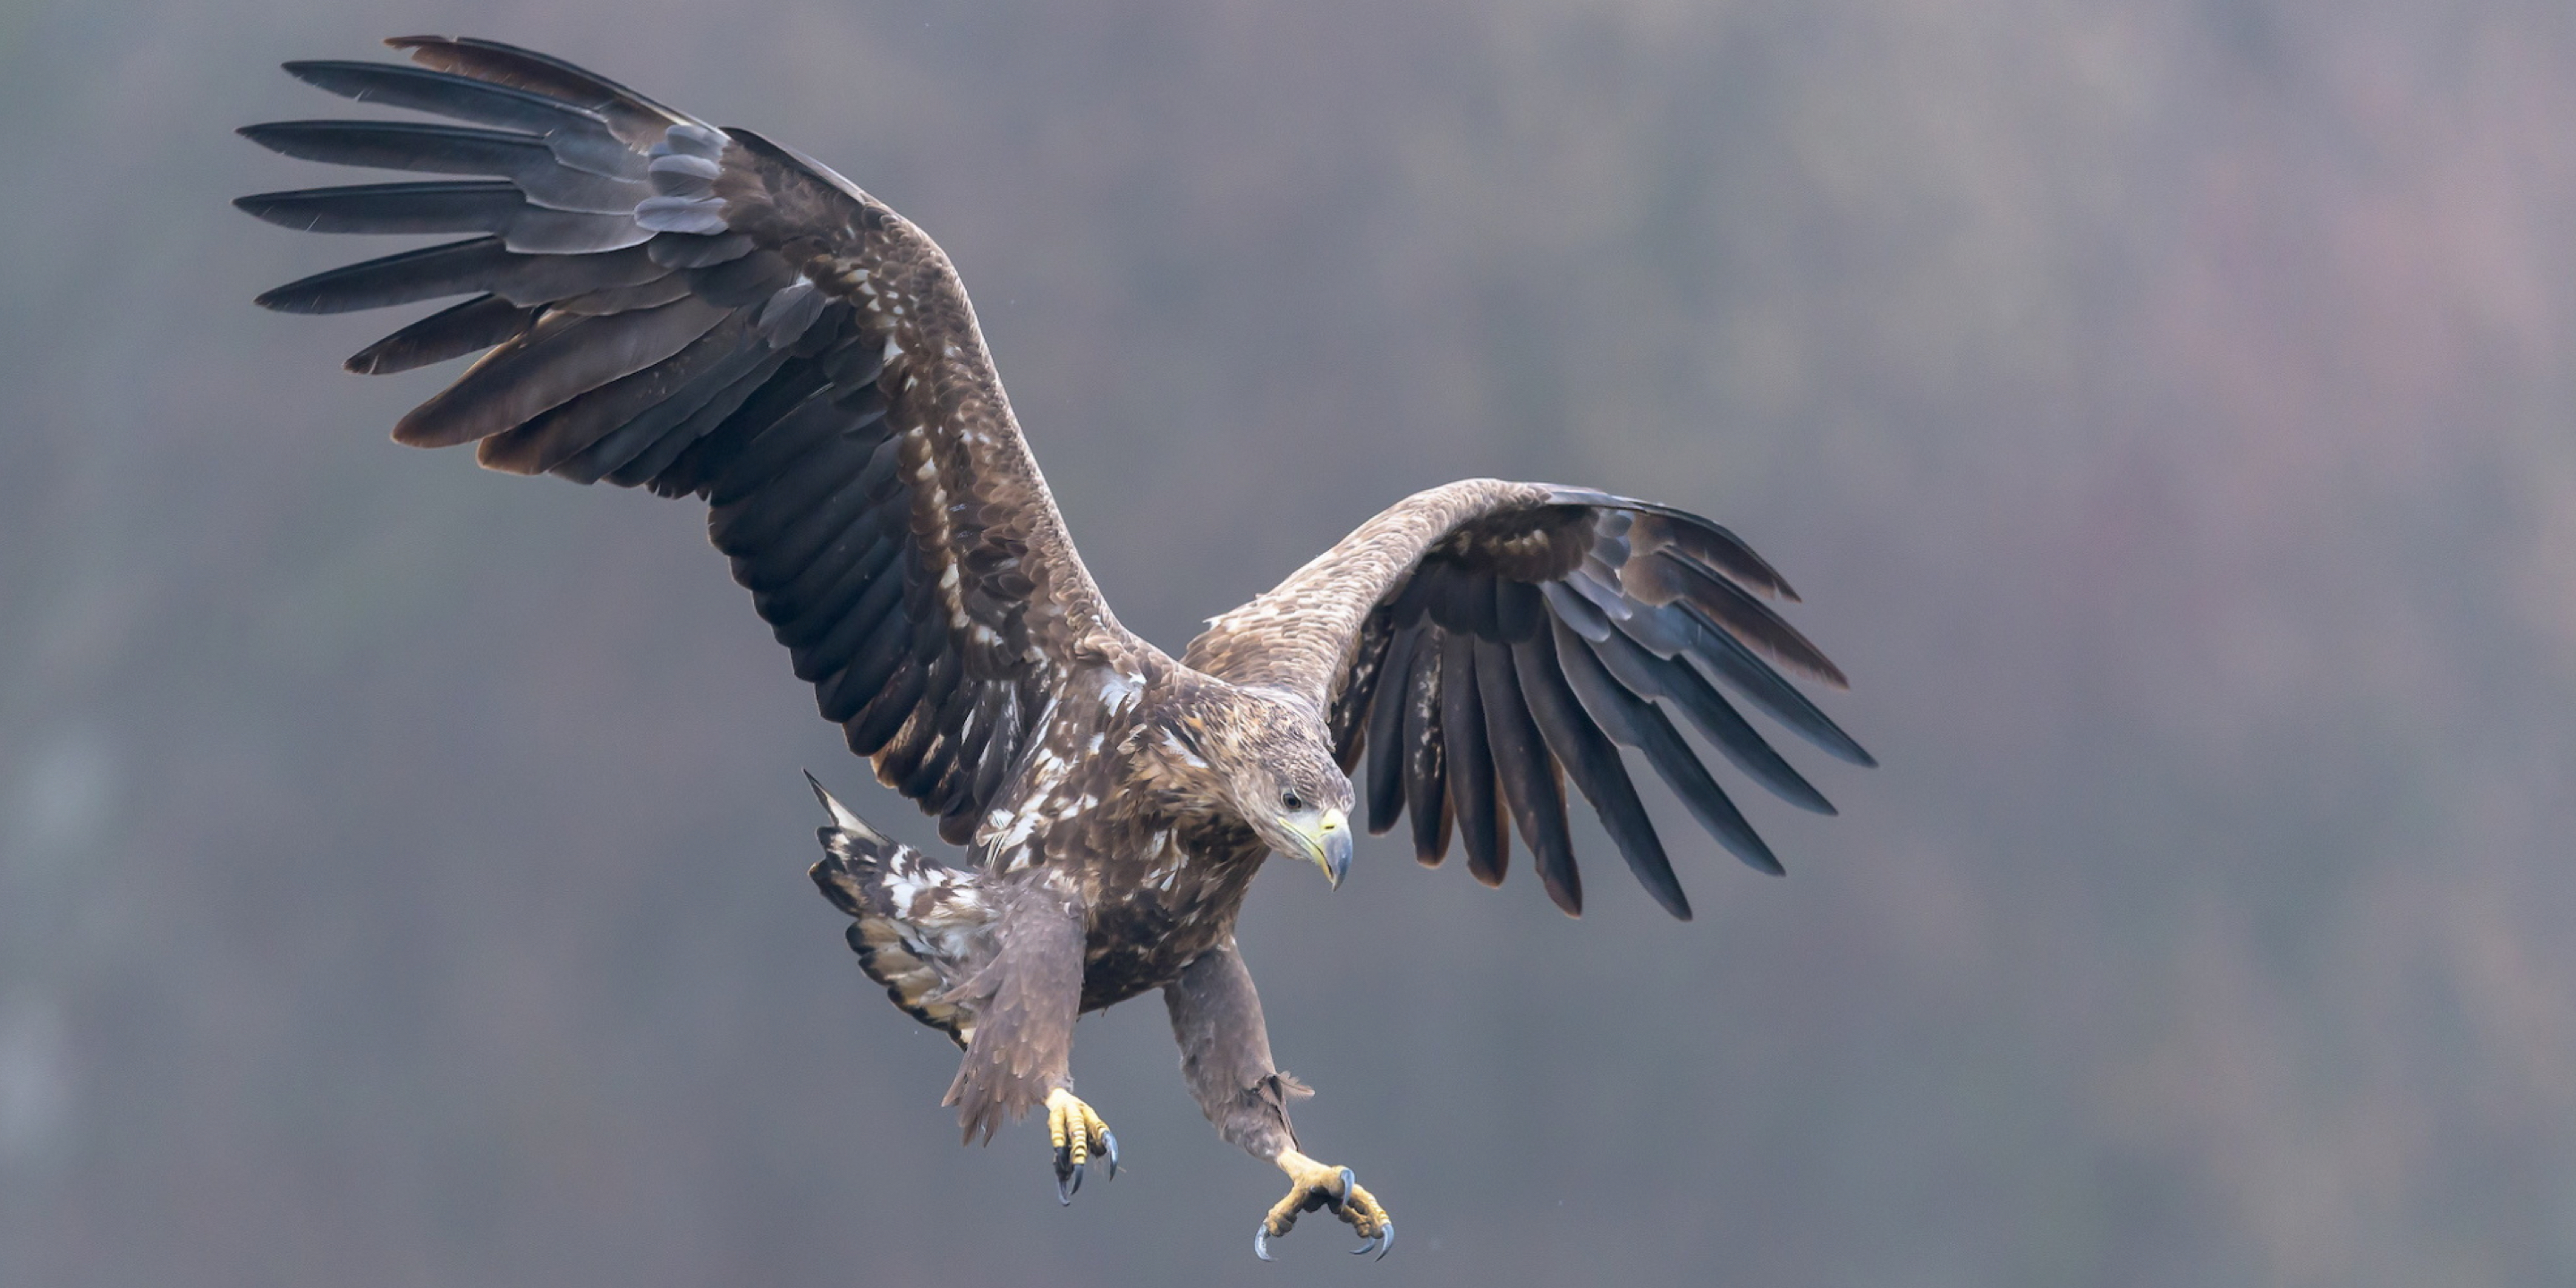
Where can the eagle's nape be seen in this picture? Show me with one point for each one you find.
(666, 305)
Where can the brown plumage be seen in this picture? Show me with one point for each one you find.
(666, 305)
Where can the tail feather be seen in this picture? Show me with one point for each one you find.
(916, 925)
(842, 818)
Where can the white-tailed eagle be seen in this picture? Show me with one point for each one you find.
(698, 311)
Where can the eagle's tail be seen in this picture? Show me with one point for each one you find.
(914, 923)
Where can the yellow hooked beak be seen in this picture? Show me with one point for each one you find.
(1328, 843)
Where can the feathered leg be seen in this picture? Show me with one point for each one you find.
(994, 964)
(1225, 1056)
(1021, 1054)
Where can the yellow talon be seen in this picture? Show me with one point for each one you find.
(1076, 1134)
(1313, 1185)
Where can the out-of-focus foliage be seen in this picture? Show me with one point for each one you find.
(2168, 410)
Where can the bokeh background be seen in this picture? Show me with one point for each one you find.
(2168, 410)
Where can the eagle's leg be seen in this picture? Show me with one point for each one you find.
(1023, 1002)
(1225, 1055)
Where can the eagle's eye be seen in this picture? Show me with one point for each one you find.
(1290, 801)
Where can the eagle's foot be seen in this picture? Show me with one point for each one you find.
(1313, 1185)
(1077, 1134)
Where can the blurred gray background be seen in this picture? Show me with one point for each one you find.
(2168, 410)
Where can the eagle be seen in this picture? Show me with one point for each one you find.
(663, 304)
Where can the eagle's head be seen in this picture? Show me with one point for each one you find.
(1268, 753)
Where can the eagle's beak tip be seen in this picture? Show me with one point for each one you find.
(1335, 858)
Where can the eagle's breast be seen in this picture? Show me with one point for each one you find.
(1109, 798)
(1160, 907)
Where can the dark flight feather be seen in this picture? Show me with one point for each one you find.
(1482, 829)
(866, 642)
(1708, 544)
(445, 206)
(1593, 763)
(659, 466)
(841, 502)
(877, 710)
(1426, 782)
(632, 443)
(846, 604)
(465, 98)
(561, 357)
(1386, 726)
(457, 268)
(783, 431)
(1677, 681)
(1680, 630)
(523, 159)
(635, 120)
(1531, 789)
(768, 520)
(547, 441)
(1632, 721)
(1662, 578)
(452, 332)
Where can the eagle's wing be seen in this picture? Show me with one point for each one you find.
(700, 311)
(1483, 640)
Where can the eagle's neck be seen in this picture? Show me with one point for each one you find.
(1191, 733)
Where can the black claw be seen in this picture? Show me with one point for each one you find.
(1068, 1178)
(1386, 1239)
(1109, 1150)
(1349, 1183)
(1261, 1241)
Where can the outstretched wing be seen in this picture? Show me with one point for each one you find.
(1483, 641)
(702, 312)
